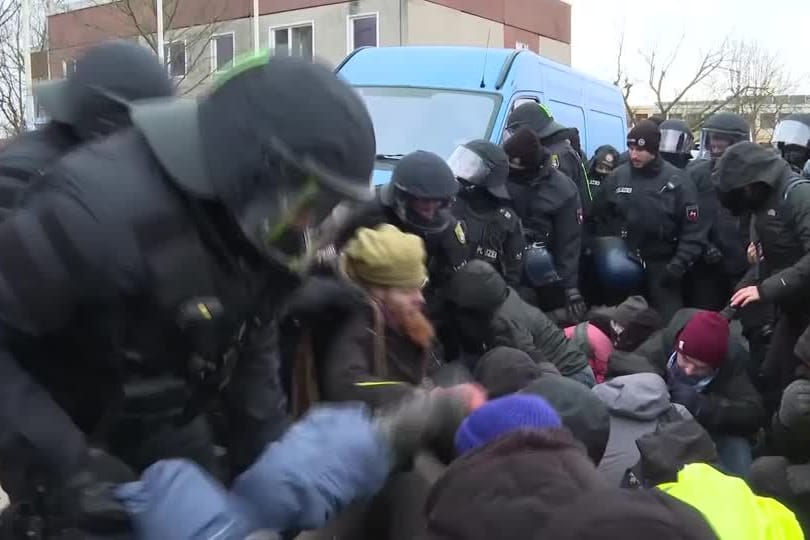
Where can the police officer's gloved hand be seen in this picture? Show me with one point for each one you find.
(89, 494)
(794, 411)
(428, 419)
(576, 304)
(673, 274)
(686, 395)
(712, 255)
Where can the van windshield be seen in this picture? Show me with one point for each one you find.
(437, 120)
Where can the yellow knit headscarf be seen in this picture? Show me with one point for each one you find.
(386, 257)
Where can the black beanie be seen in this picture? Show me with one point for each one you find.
(525, 151)
(504, 370)
(645, 135)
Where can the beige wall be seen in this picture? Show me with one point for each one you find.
(432, 24)
(555, 50)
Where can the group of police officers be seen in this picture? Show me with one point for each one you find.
(150, 244)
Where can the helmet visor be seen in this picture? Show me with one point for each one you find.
(469, 166)
(791, 132)
(674, 141)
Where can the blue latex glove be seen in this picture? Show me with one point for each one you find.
(176, 499)
(326, 461)
(687, 395)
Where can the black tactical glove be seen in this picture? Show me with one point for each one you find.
(576, 305)
(88, 494)
(673, 274)
(712, 255)
(427, 420)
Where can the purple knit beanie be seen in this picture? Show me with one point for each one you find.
(503, 415)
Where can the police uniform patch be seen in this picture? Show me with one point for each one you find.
(580, 218)
(692, 213)
(555, 161)
(505, 213)
(460, 236)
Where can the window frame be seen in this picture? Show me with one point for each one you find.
(213, 42)
(289, 27)
(350, 28)
(168, 57)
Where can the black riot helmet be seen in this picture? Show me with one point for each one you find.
(676, 137)
(481, 164)
(279, 142)
(725, 129)
(539, 269)
(792, 137)
(421, 177)
(536, 116)
(93, 99)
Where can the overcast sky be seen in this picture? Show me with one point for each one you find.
(598, 23)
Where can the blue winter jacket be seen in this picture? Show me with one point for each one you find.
(329, 459)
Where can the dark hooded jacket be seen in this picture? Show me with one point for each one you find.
(781, 221)
(732, 403)
(566, 159)
(493, 314)
(510, 487)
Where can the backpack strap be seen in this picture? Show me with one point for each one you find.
(580, 337)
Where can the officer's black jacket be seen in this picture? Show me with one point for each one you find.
(569, 162)
(446, 250)
(548, 205)
(657, 207)
(27, 156)
(104, 254)
(721, 228)
(494, 232)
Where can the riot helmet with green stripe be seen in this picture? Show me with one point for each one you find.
(536, 116)
(279, 142)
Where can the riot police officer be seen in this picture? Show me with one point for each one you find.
(723, 261)
(555, 138)
(148, 290)
(676, 142)
(483, 206)
(89, 103)
(548, 204)
(753, 179)
(654, 206)
(603, 162)
(792, 137)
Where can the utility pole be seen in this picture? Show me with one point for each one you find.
(159, 20)
(27, 94)
(256, 25)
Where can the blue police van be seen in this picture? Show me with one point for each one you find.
(435, 98)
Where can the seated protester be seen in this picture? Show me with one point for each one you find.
(514, 480)
(784, 471)
(483, 206)
(595, 344)
(638, 404)
(326, 461)
(488, 313)
(705, 366)
(581, 412)
(505, 370)
(628, 324)
(730, 507)
(383, 351)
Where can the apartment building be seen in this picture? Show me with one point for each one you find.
(203, 36)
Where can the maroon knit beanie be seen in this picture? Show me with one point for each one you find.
(705, 338)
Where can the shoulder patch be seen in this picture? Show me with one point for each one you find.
(692, 213)
(555, 161)
(459, 231)
(505, 212)
(624, 189)
(580, 216)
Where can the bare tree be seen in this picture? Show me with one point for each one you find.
(139, 18)
(622, 79)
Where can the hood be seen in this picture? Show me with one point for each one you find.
(673, 445)
(510, 487)
(747, 163)
(643, 396)
(478, 287)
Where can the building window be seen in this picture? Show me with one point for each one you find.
(294, 40)
(222, 46)
(174, 54)
(641, 116)
(68, 67)
(363, 31)
(767, 120)
(521, 45)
